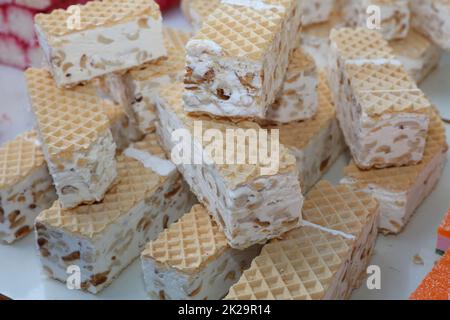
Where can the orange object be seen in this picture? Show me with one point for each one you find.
(444, 228)
(436, 285)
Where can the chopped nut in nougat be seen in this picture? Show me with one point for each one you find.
(252, 197)
(316, 11)
(102, 239)
(316, 143)
(324, 259)
(383, 114)
(192, 260)
(430, 17)
(76, 139)
(26, 187)
(297, 99)
(400, 191)
(89, 41)
(237, 61)
(418, 55)
(395, 16)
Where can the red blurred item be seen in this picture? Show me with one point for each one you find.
(167, 4)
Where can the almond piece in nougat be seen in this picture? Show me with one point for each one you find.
(430, 17)
(192, 260)
(394, 16)
(102, 239)
(26, 187)
(237, 61)
(253, 201)
(76, 139)
(89, 41)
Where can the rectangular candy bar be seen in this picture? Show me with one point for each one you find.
(76, 138)
(144, 81)
(98, 38)
(394, 16)
(324, 259)
(196, 11)
(430, 17)
(418, 55)
(443, 241)
(236, 63)
(192, 260)
(102, 239)
(316, 143)
(401, 190)
(252, 197)
(26, 187)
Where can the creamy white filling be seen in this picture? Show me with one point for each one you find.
(315, 11)
(78, 184)
(254, 4)
(120, 243)
(212, 282)
(29, 197)
(160, 166)
(84, 55)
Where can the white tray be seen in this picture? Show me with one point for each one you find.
(20, 270)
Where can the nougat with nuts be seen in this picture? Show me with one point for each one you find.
(250, 188)
(76, 138)
(102, 239)
(26, 187)
(89, 41)
(191, 260)
(237, 61)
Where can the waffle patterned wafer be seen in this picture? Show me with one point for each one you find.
(435, 286)
(443, 241)
(394, 16)
(417, 54)
(384, 115)
(401, 190)
(302, 265)
(251, 200)
(306, 264)
(104, 238)
(430, 17)
(77, 141)
(194, 253)
(298, 97)
(145, 80)
(26, 188)
(89, 41)
(236, 63)
(316, 143)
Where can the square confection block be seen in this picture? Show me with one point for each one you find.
(192, 260)
(401, 190)
(383, 114)
(353, 214)
(144, 81)
(102, 239)
(100, 37)
(316, 38)
(305, 264)
(435, 286)
(251, 198)
(323, 259)
(316, 143)
(443, 242)
(316, 11)
(430, 17)
(418, 55)
(297, 99)
(26, 187)
(394, 16)
(237, 61)
(76, 139)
